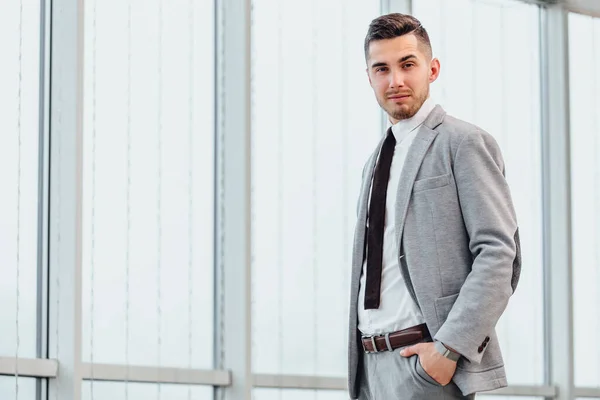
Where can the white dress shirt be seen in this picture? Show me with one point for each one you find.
(397, 309)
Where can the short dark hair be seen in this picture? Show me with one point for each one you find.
(394, 25)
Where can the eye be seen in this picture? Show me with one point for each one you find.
(409, 65)
(381, 69)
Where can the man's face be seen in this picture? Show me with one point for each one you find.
(400, 72)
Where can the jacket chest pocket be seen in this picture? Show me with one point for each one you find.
(431, 183)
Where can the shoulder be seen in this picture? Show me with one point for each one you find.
(460, 133)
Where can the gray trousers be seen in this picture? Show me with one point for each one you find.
(389, 376)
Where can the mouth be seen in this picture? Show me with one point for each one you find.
(398, 97)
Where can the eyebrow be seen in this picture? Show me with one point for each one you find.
(379, 64)
(403, 59)
(406, 58)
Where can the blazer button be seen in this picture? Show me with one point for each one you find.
(480, 349)
(487, 339)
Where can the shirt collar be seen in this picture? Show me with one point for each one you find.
(402, 128)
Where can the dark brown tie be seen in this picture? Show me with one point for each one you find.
(377, 222)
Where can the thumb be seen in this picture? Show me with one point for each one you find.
(410, 351)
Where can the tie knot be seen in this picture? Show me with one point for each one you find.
(390, 138)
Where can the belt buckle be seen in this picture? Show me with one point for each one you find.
(372, 338)
(387, 343)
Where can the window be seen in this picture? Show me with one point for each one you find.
(19, 179)
(487, 80)
(148, 214)
(315, 121)
(584, 57)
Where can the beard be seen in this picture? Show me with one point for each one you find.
(404, 111)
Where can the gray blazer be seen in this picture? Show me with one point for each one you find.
(456, 227)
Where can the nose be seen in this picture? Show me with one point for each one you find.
(396, 78)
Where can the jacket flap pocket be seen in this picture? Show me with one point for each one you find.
(431, 183)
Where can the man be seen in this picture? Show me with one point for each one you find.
(436, 248)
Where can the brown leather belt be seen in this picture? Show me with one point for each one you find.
(394, 340)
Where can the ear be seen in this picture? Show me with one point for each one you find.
(369, 76)
(434, 70)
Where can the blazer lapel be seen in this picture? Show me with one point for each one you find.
(414, 158)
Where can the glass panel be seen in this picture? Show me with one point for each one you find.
(484, 397)
(488, 80)
(297, 394)
(143, 391)
(584, 49)
(314, 124)
(148, 215)
(19, 163)
(8, 388)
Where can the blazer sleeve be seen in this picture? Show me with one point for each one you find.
(490, 220)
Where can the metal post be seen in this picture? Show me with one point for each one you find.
(557, 202)
(399, 6)
(66, 126)
(233, 215)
